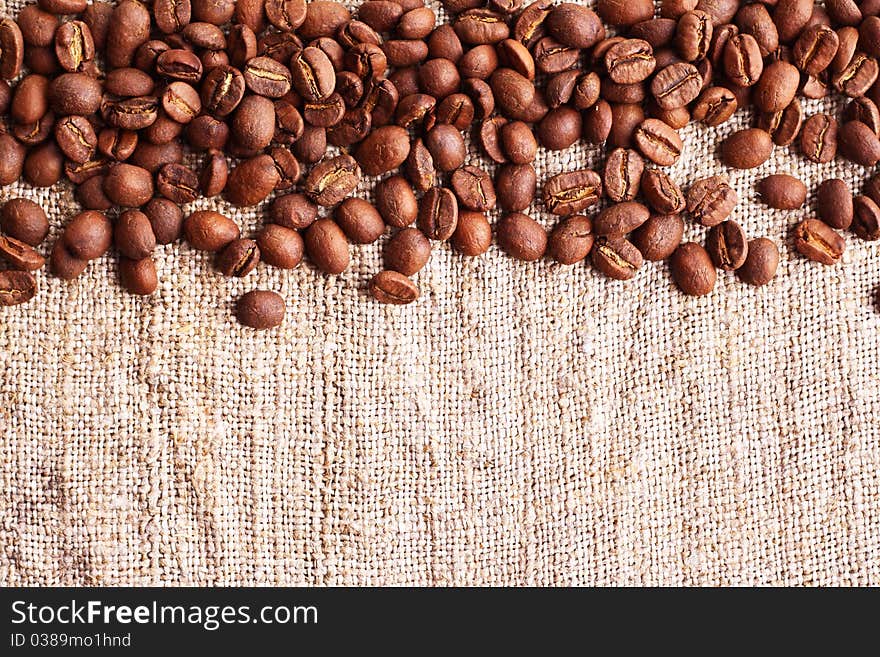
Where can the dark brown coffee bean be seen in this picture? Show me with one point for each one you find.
(659, 236)
(131, 113)
(128, 28)
(560, 88)
(76, 138)
(327, 246)
(560, 128)
(443, 43)
(834, 203)
(782, 191)
(817, 241)
(456, 110)
(858, 143)
(386, 148)
(597, 122)
(394, 288)
(864, 110)
(294, 211)
(260, 309)
(381, 15)
(413, 109)
(478, 26)
(207, 230)
(791, 16)
(783, 126)
(64, 265)
(88, 235)
(133, 235)
(658, 142)
(490, 137)
(761, 262)
(623, 174)
(619, 219)
(222, 90)
(513, 92)
(746, 148)
(727, 245)
(200, 36)
(252, 181)
(332, 180)
(692, 269)
(179, 64)
(396, 202)
(473, 234)
(474, 188)
(693, 35)
(74, 93)
(181, 102)
(79, 173)
(866, 218)
(177, 183)
(402, 53)
(172, 15)
(518, 142)
(755, 20)
(128, 185)
(253, 125)
(280, 247)
(164, 130)
(857, 77)
(571, 240)
(91, 196)
(438, 213)
(615, 12)
(117, 144)
(286, 15)
(819, 138)
(439, 78)
(586, 91)
(515, 186)
(166, 220)
(743, 63)
(152, 157)
(777, 87)
(359, 220)
(522, 237)
(205, 132)
(661, 192)
(312, 74)
(266, 77)
(630, 61)
(11, 49)
(16, 287)
(238, 258)
(616, 257)
(407, 252)
(815, 49)
(19, 255)
(479, 62)
(138, 276)
(515, 55)
(74, 46)
(574, 25)
(446, 146)
(711, 200)
(419, 166)
(572, 191)
(676, 85)
(44, 165)
(551, 56)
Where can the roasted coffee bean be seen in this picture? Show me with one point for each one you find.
(574, 25)
(181, 102)
(128, 83)
(19, 255)
(407, 252)
(438, 213)
(252, 181)
(659, 236)
(266, 77)
(858, 143)
(657, 31)
(286, 165)
(74, 93)
(816, 87)
(866, 218)
(44, 165)
(74, 46)
(327, 247)
(518, 142)
(834, 203)
(16, 287)
(91, 196)
(166, 220)
(474, 188)
(658, 142)
(515, 55)
(402, 53)
(522, 237)
(864, 110)
(215, 173)
(572, 191)
(777, 87)
(586, 91)
(128, 185)
(37, 28)
(692, 269)
(478, 26)
(207, 230)
(11, 49)
(456, 110)
(446, 146)
(623, 93)
(819, 138)
(133, 235)
(513, 92)
(164, 130)
(419, 166)
(623, 174)
(394, 288)
(817, 241)
(478, 62)
(76, 138)
(693, 35)
(783, 126)
(560, 128)
(172, 15)
(152, 157)
(782, 191)
(491, 138)
(253, 125)
(205, 132)
(597, 122)
(202, 36)
(661, 192)
(743, 63)
(413, 109)
(128, 28)
(676, 85)
(177, 183)
(746, 148)
(560, 88)
(473, 234)
(515, 186)
(727, 245)
(64, 265)
(138, 276)
(222, 90)
(238, 258)
(571, 240)
(131, 113)
(620, 219)
(815, 49)
(630, 61)
(396, 202)
(286, 15)
(359, 220)
(88, 235)
(313, 75)
(260, 309)
(386, 148)
(761, 262)
(615, 12)
(31, 134)
(711, 200)
(332, 180)
(857, 77)
(280, 247)
(117, 144)
(294, 211)
(755, 20)
(616, 257)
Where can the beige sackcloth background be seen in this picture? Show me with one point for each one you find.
(521, 424)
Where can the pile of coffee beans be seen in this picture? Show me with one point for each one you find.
(146, 107)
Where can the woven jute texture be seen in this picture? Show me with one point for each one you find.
(521, 424)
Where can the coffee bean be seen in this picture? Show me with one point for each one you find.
(711, 200)
(571, 240)
(442, 44)
(791, 16)
(133, 235)
(629, 61)
(863, 110)
(215, 173)
(659, 236)
(152, 157)
(514, 93)
(128, 28)
(692, 269)
(783, 126)
(44, 165)
(266, 77)
(478, 62)
(74, 93)
(88, 235)
(394, 288)
(755, 20)
(746, 148)
(693, 35)
(815, 49)
(491, 138)
(474, 188)
(446, 146)
(782, 191)
(413, 109)
(571, 192)
(727, 245)
(76, 138)
(16, 287)
(817, 241)
(207, 230)
(819, 138)
(280, 247)
(834, 203)
(761, 262)
(625, 13)
(128, 185)
(64, 265)
(658, 142)
(11, 49)
(616, 257)
(396, 202)
(407, 252)
(79, 173)
(360, 221)
(260, 309)
(560, 128)
(521, 237)
(477, 26)
(131, 113)
(91, 196)
(866, 218)
(516, 56)
(327, 247)
(37, 28)
(386, 148)
(622, 175)
(438, 213)
(473, 234)
(619, 219)
(238, 258)
(74, 46)
(518, 142)
(286, 15)
(676, 85)
(19, 255)
(575, 25)
(332, 180)
(252, 181)
(294, 211)
(661, 192)
(777, 87)
(743, 63)
(117, 144)
(222, 90)
(858, 143)
(166, 220)
(586, 91)
(857, 77)
(515, 186)
(138, 276)
(177, 183)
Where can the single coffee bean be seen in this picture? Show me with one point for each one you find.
(238, 258)
(31, 99)
(128, 28)
(133, 235)
(163, 130)
(280, 247)
(522, 237)
(571, 240)
(619, 219)
(616, 257)
(473, 234)
(286, 15)
(205, 132)
(266, 77)
(294, 211)
(586, 91)
(438, 213)
(743, 62)
(518, 142)
(181, 102)
(407, 252)
(79, 173)
(91, 196)
(761, 262)
(394, 288)
(64, 265)
(152, 157)
(138, 276)
(313, 75)
(166, 220)
(560, 88)
(746, 148)
(661, 192)
(88, 235)
(117, 144)
(858, 143)
(474, 188)
(560, 128)
(864, 110)
(76, 138)
(260, 309)
(624, 13)
(658, 142)
(623, 174)
(818, 241)
(359, 220)
(783, 126)
(815, 49)
(782, 191)
(755, 20)
(207, 230)
(479, 62)
(19, 255)
(75, 93)
(178, 183)
(252, 181)
(11, 49)
(327, 247)
(44, 165)
(777, 87)
(676, 85)
(74, 46)
(692, 269)
(857, 77)
(514, 93)
(332, 180)
(834, 203)
(386, 148)
(222, 90)
(446, 146)
(128, 185)
(659, 236)
(478, 26)
(396, 202)
(414, 109)
(515, 55)
(819, 138)
(131, 113)
(714, 106)
(12, 155)
(457, 110)
(515, 186)
(629, 61)
(215, 173)
(573, 191)
(711, 200)
(727, 245)
(491, 138)
(693, 35)
(866, 218)
(24, 220)
(16, 287)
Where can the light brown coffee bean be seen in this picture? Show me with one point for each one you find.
(834, 203)
(133, 235)
(207, 230)
(746, 148)
(521, 237)
(393, 288)
(327, 246)
(659, 236)
(407, 251)
(260, 309)
(252, 181)
(24, 220)
(711, 200)
(761, 262)
(473, 233)
(332, 180)
(782, 191)
(692, 269)
(88, 235)
(166, 220)
(474, 188)
(515, 186)
(819, 138)
(661, 192)
(616, 257)
(359, 220)
(817, 241)
(622, 175)
(438, 213)
(571, 240)
(138, 276)
(658, 142)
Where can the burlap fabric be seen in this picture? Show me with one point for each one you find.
(520, 424)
